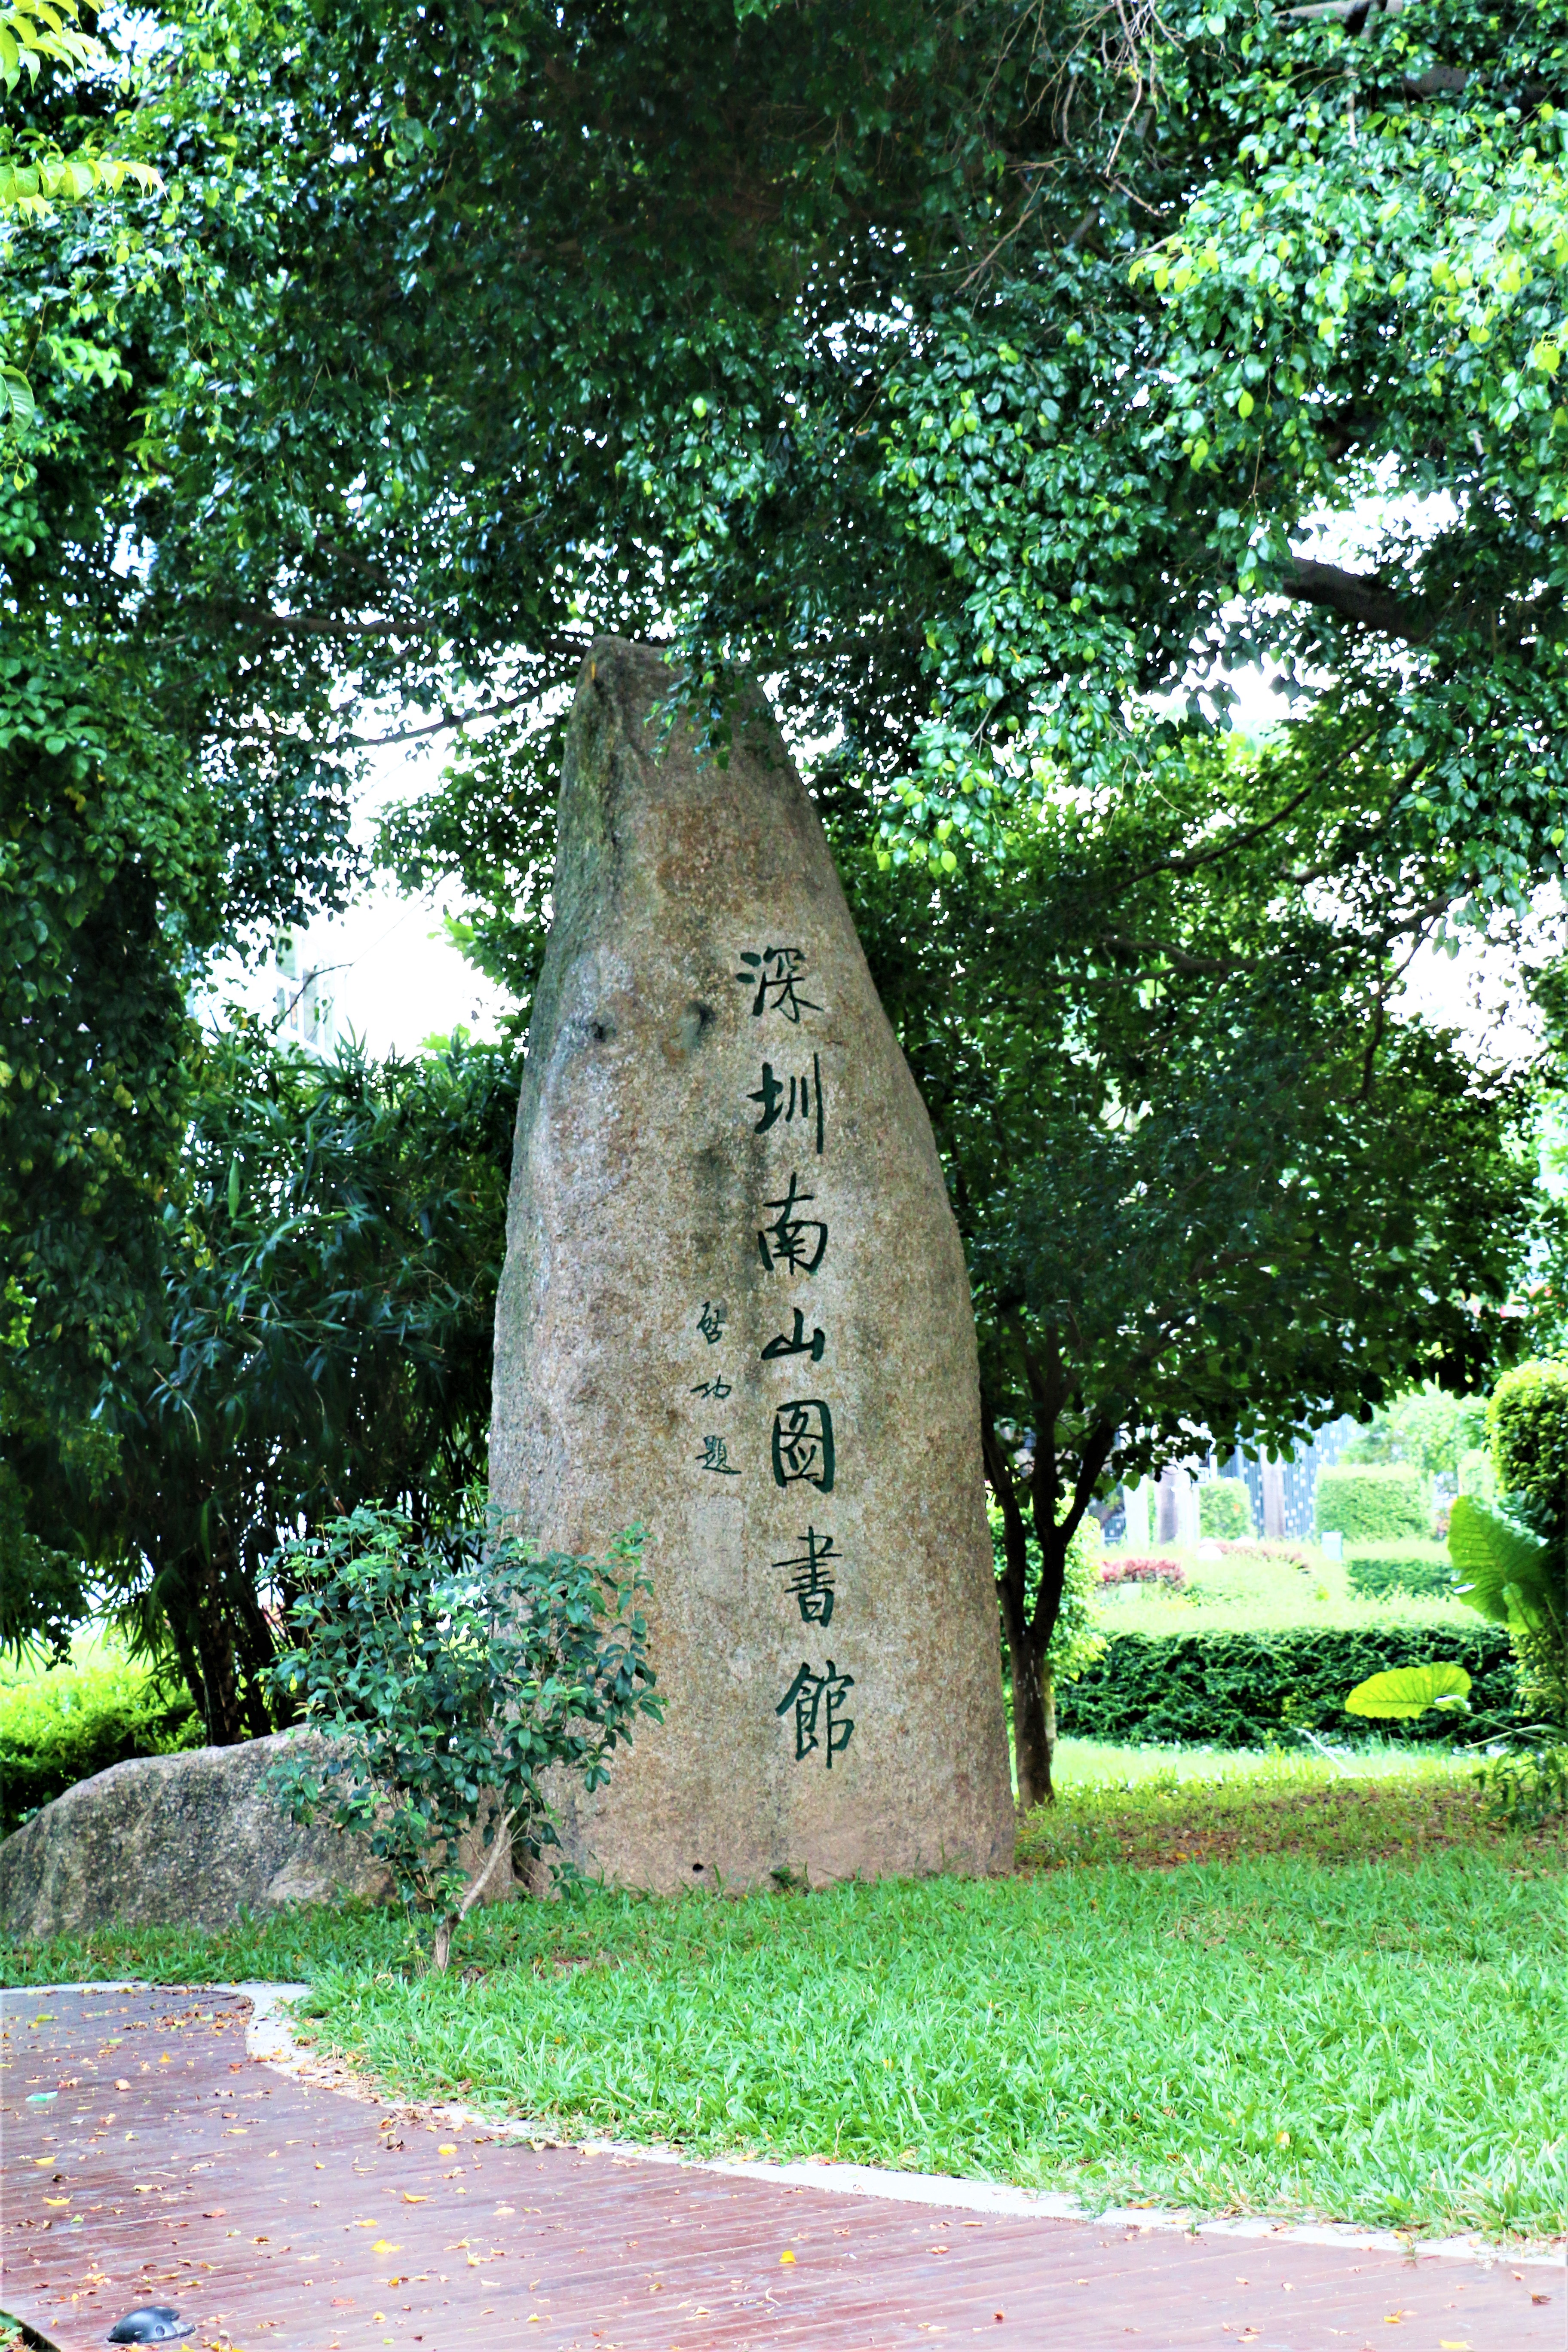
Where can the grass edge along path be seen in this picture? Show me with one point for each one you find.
(1379, 2043)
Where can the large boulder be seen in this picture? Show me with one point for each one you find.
(734, 1310)
(190, 1840)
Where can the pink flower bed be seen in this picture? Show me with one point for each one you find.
(1143, 1572)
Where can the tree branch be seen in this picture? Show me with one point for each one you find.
(1355, 599)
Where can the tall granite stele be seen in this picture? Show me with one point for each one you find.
(734, 1310)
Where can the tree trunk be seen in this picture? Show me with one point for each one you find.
(1034, 1726)
(214, 1653)
(496, 1870)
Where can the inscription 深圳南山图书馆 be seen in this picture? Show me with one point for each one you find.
(801, 1445)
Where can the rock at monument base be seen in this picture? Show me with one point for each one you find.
(735, 1311)
(189, 1840)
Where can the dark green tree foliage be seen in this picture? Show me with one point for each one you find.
(327, 1292)
(1212, 1188)
(134, 833)
(972, 370)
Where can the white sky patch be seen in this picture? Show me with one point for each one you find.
(387, 972)
(1478, 990)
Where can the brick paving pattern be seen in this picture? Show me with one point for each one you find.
(148, 2159)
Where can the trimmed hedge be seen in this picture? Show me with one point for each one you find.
(1373, 1501)
(1404, 1566)
(1225, 1511)
(1252, 1690)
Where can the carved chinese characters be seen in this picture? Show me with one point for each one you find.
(734, 1311)
(801, 1448)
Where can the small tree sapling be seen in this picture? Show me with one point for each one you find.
(451, 1671)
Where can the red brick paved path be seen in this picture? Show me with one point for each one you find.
(169, 2168)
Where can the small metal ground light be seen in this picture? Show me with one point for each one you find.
(155, 2323)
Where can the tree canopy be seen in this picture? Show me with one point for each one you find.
(318, 1337)
(1001, 379)
(974, 370)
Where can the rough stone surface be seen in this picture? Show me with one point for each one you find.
(707, 1045)
(189, 1840)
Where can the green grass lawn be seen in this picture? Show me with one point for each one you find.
(1379, 2041)
(1170, 1806)
(1243, 1592)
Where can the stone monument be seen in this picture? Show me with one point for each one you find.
(734, 1310)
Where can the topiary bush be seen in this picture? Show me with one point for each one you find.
(1527, 1426)
(1372, 1503)
(1225, 1511)
(1255, 1690)
(1404, 1566)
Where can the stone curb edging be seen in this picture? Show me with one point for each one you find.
(270, 2039)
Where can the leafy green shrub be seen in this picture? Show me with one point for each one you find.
(1526, 1788)
(1527, 1424)
(1253, 1690)
(64, 1723)
(1225, 1511)
(454, 1670)
(1516, 1578)
(1404, 1566)
(1372, 1503)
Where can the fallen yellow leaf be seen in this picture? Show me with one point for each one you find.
(447, 2147)
(385, 2246)
(786, 2256)
(1454, 2344)
(410, 2199)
